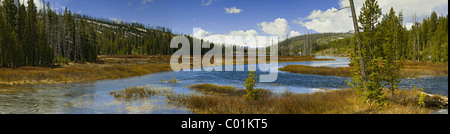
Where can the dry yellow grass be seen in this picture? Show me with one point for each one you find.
(300, 59)
(38, 75)
(410, 70)
(335, 102)
(137, 93)
(417, 69)
(327, 71)
(110, 67)
(212, 89)
(230, 100)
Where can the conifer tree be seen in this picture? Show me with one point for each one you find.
(31, 34)
(1, 36)
(392, 28)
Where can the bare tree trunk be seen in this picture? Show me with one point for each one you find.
(361, 58)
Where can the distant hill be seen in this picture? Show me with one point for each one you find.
(317, 42)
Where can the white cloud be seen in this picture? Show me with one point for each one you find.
(240, 33)
(294, 34)
(409, 7)
(201, 33)
(243, 33)
(340, 21)
(279, 27)
(232, 10)
(208, 2)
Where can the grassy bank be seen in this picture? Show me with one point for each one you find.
(229, 100)
(300, 59)
(410, 70)
(327, 71)
(108, 67)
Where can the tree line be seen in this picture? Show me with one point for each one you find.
(23, 36)
(31, 37)
(426, 41)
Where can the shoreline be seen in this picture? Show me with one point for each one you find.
(108, 68)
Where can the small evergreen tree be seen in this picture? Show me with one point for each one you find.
(250, 84)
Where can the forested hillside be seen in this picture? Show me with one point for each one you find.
(309, 43)
(29, 37)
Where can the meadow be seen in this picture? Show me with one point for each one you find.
(217, 99)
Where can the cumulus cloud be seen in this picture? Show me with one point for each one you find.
(294, 34)
(232, 10)
(328, 21)
(278, 28)
(201, 33)
(207, 35)
(340, 21)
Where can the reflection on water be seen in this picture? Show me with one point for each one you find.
(94, 98)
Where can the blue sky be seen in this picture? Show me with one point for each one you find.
(260, 17)
(183, 15)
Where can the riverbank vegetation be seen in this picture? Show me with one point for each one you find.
(216, 99)
(110, 67)
(139, 93)
(409, 70)
(336, 102)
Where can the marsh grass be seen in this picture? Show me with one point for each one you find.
(410, 70)
(417, 69)
(173, 81)
(216, 99)
(412, 98)
(299, 59)
(229, 100)
(225, 90)
(108, 68)
(138, 93)
(327, 71)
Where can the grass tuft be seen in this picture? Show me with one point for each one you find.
(137, 93)
(225, 90)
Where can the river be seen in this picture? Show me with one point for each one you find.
(94, 98)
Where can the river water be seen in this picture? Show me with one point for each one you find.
(94, 98)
